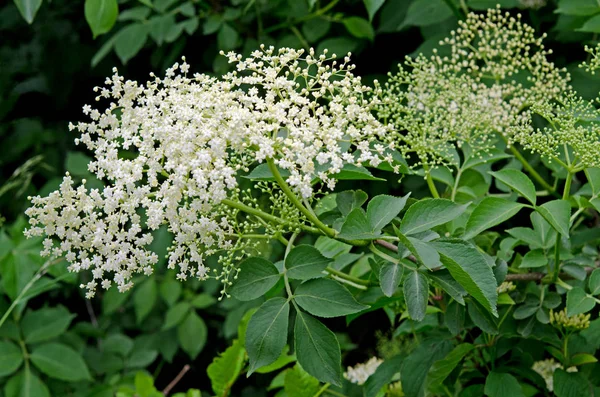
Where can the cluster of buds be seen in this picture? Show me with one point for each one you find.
(506, 286)
(578, 322)
(361, 372)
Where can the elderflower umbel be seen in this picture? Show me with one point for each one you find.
(361, 372)
(170, 152)
(497, 67)
(546, 370)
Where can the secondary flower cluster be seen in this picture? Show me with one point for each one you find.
(170, 152)
(496, 68)
(577, 322)
(546, 370)
(361, 372)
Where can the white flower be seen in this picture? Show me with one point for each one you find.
(361, 372)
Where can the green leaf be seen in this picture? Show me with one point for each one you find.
(390, 275)
(315, 29)
(60, 362)
(262, 173)
(326, 298)
(592, 25)
(578, 7)
(101, 15)
(454, 317)
(256, 277)
(382, 209)
(593, 177)
(382, 376)
(283, 360)
(416, 293)
(471, 270)
(118, 344)
(426, 214)
(448, 284)
(351, 172)
(557, 213)
(192, 334)
(202, 301)
(356, 227)
(482, 318)
(28, 9)
(44, 324)
(441, 369)
(11, 358)
(517, 181)
(594, 282)
(498, 384)
(103, 51)
(135, 14)
(298, 383)
(349, 200)
(25, 384)
(176, 314)
(225, 369)
(267, 333)
(491, 211)
(130, 40)
(582, 359)
(525, 311)
(484, 157)
(416, 366)
(227, 37)
(170, 290)
(426, 12)
(144, 299)
(579, 302)
(570, 384)
(359, 28)
(372, 7)
(160, 27)
(534, 258)
(422, 251)
(305, 262)
(317, 349)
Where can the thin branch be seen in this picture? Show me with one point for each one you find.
(176, 380)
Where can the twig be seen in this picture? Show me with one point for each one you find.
(176, 380)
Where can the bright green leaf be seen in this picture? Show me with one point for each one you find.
(326, 298)
(579, 302)
(517, 181)
(225, 369)
(382, 209)
(534, 258)
(130, 40)
(25, 384)
(491, 211)
(558, 214)
(305, 262)
(267, 333)
(101, 15)
(144, 299)
(297, 382)
(44, 324)
(390, 275)
(176, 314)
(256, 276)
(60, 362)
(192, 334)
(498, 384)
(594, 282)
(359, 28)
(28, 9)
(426, 214)
(372, 7)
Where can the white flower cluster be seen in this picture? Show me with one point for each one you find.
(169, 152)
(361, 372)
(546, 370)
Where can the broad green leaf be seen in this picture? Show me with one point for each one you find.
(356, 227)
(262, 173)
(25, 384)
(170, 290)
(546, 234)
(130, 40)
(305, 262)
(103, 51)
(225, 369)
(441, 369)
(11, 358)
(176, 314)
(267, 333)
(315, 29)
(144, 299)
(45, 324)
(426, 12)
(582, 359)
(498, 384)
(517, 181)
(317, 349)
(594, 282)
(416, 293)
(382, 209)
(113, 300)
(256, 277)
(426, 214)
(593, 176)
(135, 14)
(491, 211)
(592, 25)
(60, 362)
(390, 275)
(382, 376)
(557, 213)
(101, 15)
(449, 284)
(297, 382)
(482, 318)
(372, 7)
(578, 7)
(359, 27)
(118, 343)
(422, 251)
(579, 302)
(326, 298)
(283, 360)
(525, 311)
(28, 8)
(160, 26)
(416, 366)
(349, 200)
(144, 385)
(192, 334)
(202, 301)
(454, 317)
(484, 157)
(570, 384)
(534, 258)
(351, 172)
(471, 270)
(227, 37)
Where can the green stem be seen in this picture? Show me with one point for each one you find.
(261, 214)
(556, 258)
(567, 188)
(322, 389)
(455, 187)
(297, 203)
(430, 183)
(532, 170)
(348, 277)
